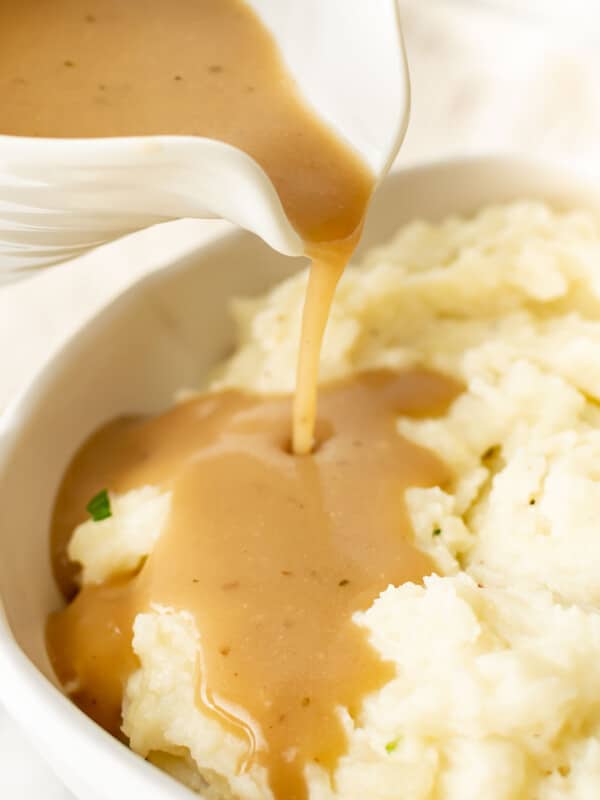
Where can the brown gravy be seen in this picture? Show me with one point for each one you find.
(190, 67)
(271, 553)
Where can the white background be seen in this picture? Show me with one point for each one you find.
(512, 75)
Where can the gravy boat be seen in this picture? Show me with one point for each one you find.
(62, 197)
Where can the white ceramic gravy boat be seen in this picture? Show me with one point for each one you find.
(61, 197)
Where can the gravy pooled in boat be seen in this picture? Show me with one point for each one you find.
(197, 68)
(270, 553)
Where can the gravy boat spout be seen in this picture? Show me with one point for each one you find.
(62, 197)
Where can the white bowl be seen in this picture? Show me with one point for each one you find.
(161, 334)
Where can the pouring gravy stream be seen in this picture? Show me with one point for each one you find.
(270, 552)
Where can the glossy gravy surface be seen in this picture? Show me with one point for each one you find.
(271, 553)
(190, 67)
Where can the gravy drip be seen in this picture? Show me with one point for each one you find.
(271, 553)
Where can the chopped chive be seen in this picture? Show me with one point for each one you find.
(391, 746)
(436, 531)
(99, 506)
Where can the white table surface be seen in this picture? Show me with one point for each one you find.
(486, 77)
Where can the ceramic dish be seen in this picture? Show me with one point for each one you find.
(162, 334)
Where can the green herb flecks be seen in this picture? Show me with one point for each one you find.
(99, 506)
(391, 746)
(436, 532)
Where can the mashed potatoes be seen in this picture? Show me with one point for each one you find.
(497, 687)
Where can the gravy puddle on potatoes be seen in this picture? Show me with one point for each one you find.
(271, 553)
(191, 67)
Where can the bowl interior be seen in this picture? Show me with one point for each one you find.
(166, 332)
